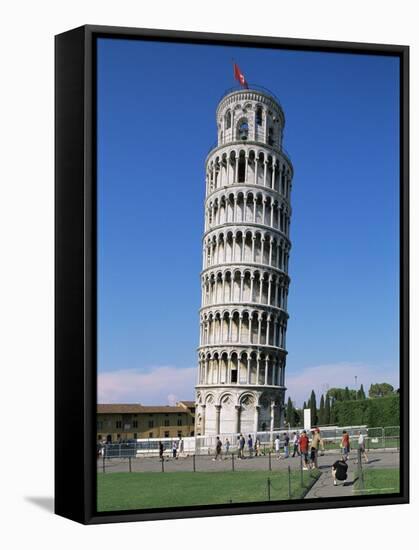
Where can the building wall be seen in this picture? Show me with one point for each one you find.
(144, 425)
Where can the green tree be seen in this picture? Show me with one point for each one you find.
(321, 411)
(380, 390)
(333, 412)
(289, 412)
(327, 411)
(313, 408)
(361, 393)
(346, 395)
(305, 405)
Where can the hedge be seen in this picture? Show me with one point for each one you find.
(380, 411)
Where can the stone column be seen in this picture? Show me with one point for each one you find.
(266, 371)
(272, 417)
(256, 171)
(217, 419)
(257, 412)
(257, 369)
(203, 420)
(237, 419)
(248, 370)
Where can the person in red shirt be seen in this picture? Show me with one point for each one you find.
(345, 445)
(304, 449)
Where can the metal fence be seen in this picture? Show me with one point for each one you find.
(385, 438)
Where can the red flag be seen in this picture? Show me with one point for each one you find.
(238, 75)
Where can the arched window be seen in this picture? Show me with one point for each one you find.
(259, 116)
(243, 130)
(228, 120)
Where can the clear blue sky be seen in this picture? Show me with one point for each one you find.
(156, 122)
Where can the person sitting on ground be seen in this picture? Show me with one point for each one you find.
(339, 471)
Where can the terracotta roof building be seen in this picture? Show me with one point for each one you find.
(124, 421)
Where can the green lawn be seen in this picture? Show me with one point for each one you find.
(130, 491)
(379, 481)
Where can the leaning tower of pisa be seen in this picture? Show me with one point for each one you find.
(243, 315)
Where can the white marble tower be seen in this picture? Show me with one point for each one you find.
(243, 318)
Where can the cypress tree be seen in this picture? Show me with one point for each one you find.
(321, 411)
(333, 416)
(347, 395)
(313, 408)
(361, 393)
(290, 412)
(327, 411)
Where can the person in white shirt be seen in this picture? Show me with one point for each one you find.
(277, 447)
(361, 447)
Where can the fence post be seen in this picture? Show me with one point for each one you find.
(103, 466)
(289, 481)
(162, 463)
(301, 470)
(270, 461)
(360, 471)
(193, 460)
(129, 461)
(232, 462)
(269, 488)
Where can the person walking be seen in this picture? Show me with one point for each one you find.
(161, 449)
(227, 448)
(314, 448)
(304, 448)
(218, 446)
(180, 446)
(277, 447)
(242, 443)
(174, 449)
(286, 445)
(296, 444)
(345, 445)
(250, 445)
(257, 447)
(361, 447)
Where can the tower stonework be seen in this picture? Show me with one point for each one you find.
(243, 315)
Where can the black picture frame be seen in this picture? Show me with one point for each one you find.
(75, 271)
